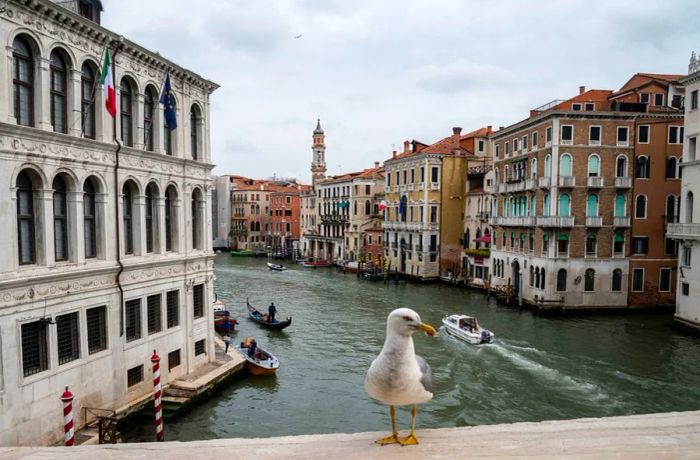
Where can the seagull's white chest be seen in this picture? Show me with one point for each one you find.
(395, 377)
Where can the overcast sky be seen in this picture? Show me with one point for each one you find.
(382, 71)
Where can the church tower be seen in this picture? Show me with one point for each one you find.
(318, 164)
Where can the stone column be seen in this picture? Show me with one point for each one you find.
(42, 100)
(43, 228)
(74, 99)
(76, 229)
(104, 228)
(137, 122)
(201, 206)
(6, 72)
(158, 123)
(177, 221)
(159, 223)
(138, 224)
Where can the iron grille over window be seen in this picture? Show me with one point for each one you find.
(133, 320)
(199, 347)
(96, 329)
(173, 359)
(172, 300)
(154, 316)
(198, 300)
(35, 353)
(134, 375)
(68, 338)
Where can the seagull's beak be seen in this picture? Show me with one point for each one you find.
(428, 329)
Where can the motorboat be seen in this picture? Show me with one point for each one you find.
(467, 328)
(258, 361)
(276, 267)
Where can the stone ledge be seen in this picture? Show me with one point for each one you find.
(669, 436)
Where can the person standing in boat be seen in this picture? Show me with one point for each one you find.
(271, 310)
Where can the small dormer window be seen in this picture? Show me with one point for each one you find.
(576, 106)
(85, 10)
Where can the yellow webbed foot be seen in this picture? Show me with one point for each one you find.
(393, 439)
(409, 440)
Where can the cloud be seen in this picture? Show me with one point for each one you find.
(461, 75)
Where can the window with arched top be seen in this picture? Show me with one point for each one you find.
(129, 191)
(545, 204)
(58, 92)
(542, 278)
(170, 218)
(561, 280)
(126, 98)
(689, 208)
(195, 125)
(564, 205)
(196, 219)
(532, 276)
(533, 205)
(620, 205)
(592, 205)
(589, 280)
(23, 81)
(671, 168)
(88, 85)
(671, 209)
(641, 167)
(367, 208)
(149, 116)
(533, 168)
(537, 277)
(89, 219)
(617, 280)
(547, 165)
(640, 207)
(151, 216)
(26, 243)
(621, 166)
(593, 165)
(565, 165)
(60, 218)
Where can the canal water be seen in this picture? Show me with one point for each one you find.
(537, 368)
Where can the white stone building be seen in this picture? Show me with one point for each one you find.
(221, 212)
(688, 228)
(107, 242)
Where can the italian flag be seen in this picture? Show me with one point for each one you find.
(107, 81)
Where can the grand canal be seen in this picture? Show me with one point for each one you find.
(537, 369)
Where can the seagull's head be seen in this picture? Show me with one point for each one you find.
(404, 321)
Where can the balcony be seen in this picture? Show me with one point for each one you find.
(567, 181)
(396, 188)
(595, 182)
(409, 187)
(531, 184)
(421, 186)
(387, 189)
(501, 188)
(683, 231)
(515, 221)
(623, 182)
(435, 186)
(555, 221)
(517, 186)
(483, 215)
(402, 188)
(594, 221)
(623, 221)
(545, 182)
(490, 189)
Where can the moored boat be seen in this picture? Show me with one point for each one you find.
(315, 263)
(223, 323)
(467, 329)
(259, 318)
(276, 267)
(241, 253)
(258, 361)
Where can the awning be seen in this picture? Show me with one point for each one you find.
(619, 238)
(522, 236)
(483, 239)
(545, 237)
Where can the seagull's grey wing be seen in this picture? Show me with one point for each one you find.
(426, 378)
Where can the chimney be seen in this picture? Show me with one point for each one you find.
(581, 89)
(393, 154)
(376, 164)
(456, 131)
(405, 146)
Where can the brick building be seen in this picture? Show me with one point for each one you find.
(285, 210)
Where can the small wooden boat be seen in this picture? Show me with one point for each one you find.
(258, 361)
(466, 328)
(223, 323)
(276, 267)
(259, 318)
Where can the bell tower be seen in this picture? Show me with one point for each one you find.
(318, 163)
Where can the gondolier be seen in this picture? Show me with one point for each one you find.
(271, 310)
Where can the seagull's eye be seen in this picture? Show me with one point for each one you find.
(408, 318)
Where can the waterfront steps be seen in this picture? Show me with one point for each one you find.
(674, 435)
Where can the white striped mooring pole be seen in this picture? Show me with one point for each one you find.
(155, 359)
(67, 398)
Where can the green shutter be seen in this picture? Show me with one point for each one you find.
(563, 237)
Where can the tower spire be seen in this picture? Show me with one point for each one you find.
(318, 162)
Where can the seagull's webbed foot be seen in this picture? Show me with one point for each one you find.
(393, 439)
(409, 440)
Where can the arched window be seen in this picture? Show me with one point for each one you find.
(151, 227)
(367, 207)
(149, 112)
(689, 208)
(26, 242)
(467, 242)
(671, 215)
(547, 165)
(128, 195)
(533, 168)
(125, 119)
(87, 99)
(545, 206)
(640, 207)
(592, 205)
(542, 279)
(89, 219)
(671, 168)
(60, 219)
(621, 166)
(170, 217)
(537, 277)
(168, 134)
(617, 280)
(565, 165)
(532, 276)
(533, 205)
(589, 280)
(593, 165)
(564, 205)
(195, 122)
(23, 81)
(620, 205)
(561, 280)
(403, 208)
(642, 167)
(196, 220)
(58, 92)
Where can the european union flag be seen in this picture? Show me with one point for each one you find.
(166, 98)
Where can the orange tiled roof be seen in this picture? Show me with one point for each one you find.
(592, 95)
(369, 172)
(641, 79)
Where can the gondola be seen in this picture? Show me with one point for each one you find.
(276, 267)
(256, 316)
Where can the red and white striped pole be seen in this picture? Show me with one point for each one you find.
(155, 360)
(67, 398)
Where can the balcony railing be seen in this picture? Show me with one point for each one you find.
(555, 221)
(518, 186)
(621, 221)
(683, 231)
(530, 184)
(594, 221)
(515, 221)
(623, 182)
(596, 182)
(490, 189)
(410, 187)
(567, 181)
(435, 186)
(482, 215)
(545, 182)
(421, 186)
(387, 189)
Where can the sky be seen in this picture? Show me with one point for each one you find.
(378, 72)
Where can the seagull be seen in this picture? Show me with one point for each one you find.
(298, 36)
(398, 376)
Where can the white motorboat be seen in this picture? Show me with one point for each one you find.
(276, 267)
(467, 328)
